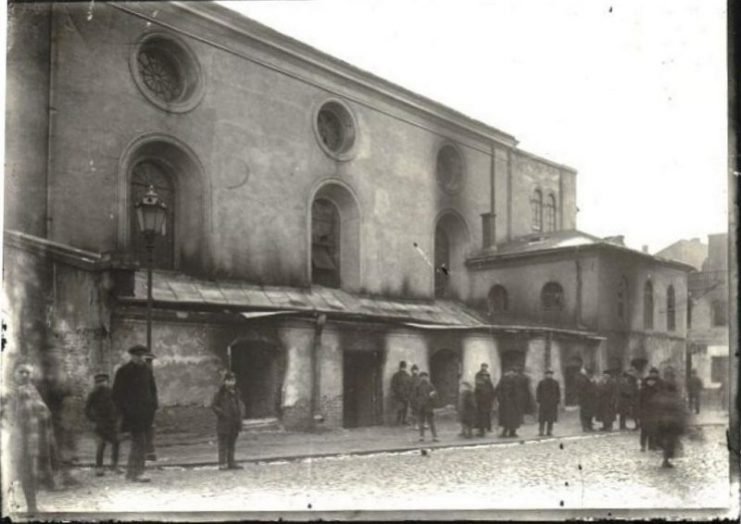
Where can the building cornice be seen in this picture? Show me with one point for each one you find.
(285, 46)
(542, 160)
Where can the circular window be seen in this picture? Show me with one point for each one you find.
(449, 169)
(334, 126)
(167, 72)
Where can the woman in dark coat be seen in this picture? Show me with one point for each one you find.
(510, 416)
(548, 396)
(606, 401)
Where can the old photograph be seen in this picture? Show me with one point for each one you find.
(379, 259)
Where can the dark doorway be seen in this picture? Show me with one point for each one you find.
(571, 371)
(362, 389)
(258, 366)
(445, 371)
(640, 365)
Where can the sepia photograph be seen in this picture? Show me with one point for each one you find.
(369, 260)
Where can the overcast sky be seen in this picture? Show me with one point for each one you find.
(630, 93)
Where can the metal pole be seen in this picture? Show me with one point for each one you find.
(150, 262)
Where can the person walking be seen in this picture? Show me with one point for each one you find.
(627, 386)
(548, 396)
(650, 386)
(101, 411)
(670, 419)
(229, 411)
(606, 393)
(25, 425)
(424, 400)
(151, 453)
(506, 392)
(484, 395)
(400, 391)
(694, 390)
(585, 392)
(468, 411)
(135, 395)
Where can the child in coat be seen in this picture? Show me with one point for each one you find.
(468, 410)
(102, 412)
(229, 410)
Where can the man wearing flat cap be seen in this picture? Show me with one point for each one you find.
(548, 396)
(484, 393)
(135, 395)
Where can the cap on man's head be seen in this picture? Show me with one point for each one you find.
(414, 367)
(423, 374)
(138, 350)
(484, 365)
(403, 364)
(101, 377)
(549, 372)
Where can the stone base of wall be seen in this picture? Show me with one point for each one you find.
(194, 420)
(331, 410)
(298, 417)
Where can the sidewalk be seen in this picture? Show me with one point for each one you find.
(270, 446)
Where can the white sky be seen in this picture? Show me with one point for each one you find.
(633, 98)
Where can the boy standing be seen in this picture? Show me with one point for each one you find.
(468, 410)
(424, 396)
(229, 409)
(101, 411)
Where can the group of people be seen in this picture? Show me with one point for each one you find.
(653, 403)
(513, 394)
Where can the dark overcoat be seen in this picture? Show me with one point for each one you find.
(524, 395)
(649, 388)
(509, 414)
(606, 392)
(101, 411)
(414, 381)
(400, 387)
(627, 394)
(468, 408)
(424, 397)
(548, 395)
(229, 411)
(669, 412)
(484, 391)
(135, 395)
(585, 391)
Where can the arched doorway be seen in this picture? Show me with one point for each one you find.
(445, 371)
(259, 367)
(450, 247)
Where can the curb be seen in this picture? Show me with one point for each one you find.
(391, 450)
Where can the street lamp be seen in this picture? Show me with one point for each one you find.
(151, 213)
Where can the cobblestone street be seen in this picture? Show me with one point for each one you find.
(600, 471)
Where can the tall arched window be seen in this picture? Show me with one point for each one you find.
(648, 305)
(671, 306)
(146, 173)
(622, 299)
(325, 243)
(550, 213)
(536, 205)
(551, 297)
(498, 299)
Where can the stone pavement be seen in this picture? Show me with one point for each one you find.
(261, 446)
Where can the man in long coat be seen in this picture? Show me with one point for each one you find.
(606, 401)
(585, 391)
(548, 396)
(627, 386)
(135, 395)
(424, 399)
(510, 416)
(229, 411)
(484, 394)
(401, 391)
(650, 386)
(669, 418)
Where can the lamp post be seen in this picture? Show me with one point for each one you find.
(151, 213)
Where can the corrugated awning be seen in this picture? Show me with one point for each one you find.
(258, 314)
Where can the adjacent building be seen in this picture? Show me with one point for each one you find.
(322, 224)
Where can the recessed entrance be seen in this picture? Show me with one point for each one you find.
(445, 371)
(571, 371)
(259, 368)
(362, 388)
(512, 359)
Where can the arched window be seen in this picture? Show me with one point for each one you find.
(498, 299)
(550, 213)
(146, 173)
(648, 305)
(451, 244)
(671, 307)
(551, 297)
(325, 243)
(622, 299)
(536, 205)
